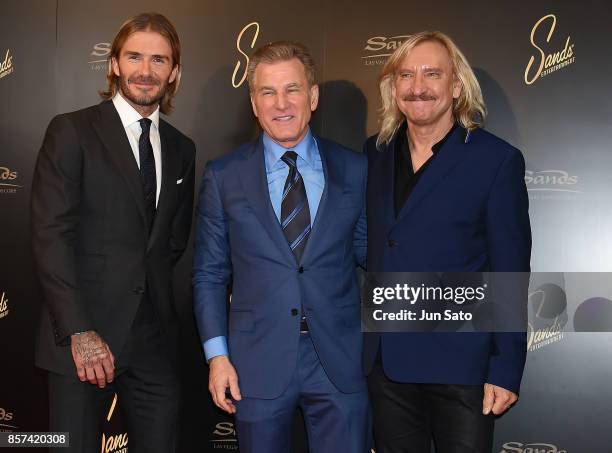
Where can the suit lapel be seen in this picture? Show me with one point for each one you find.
(169, 171)
(333, 171)
(448, 157)
(112, 134)
(387, 182)
(255, 185)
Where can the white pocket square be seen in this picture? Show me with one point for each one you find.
(178, 181)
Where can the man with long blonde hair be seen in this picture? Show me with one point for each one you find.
(112, 202)
(443, 196)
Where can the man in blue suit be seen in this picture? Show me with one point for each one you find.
(282, 220)
(443, 196)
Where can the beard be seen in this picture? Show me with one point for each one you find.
(140, 98)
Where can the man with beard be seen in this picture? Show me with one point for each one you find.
(112, 204)
(444, 195)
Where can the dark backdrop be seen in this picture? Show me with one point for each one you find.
(52, 60)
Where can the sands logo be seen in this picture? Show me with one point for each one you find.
(6, 416)
(538, 338)
(534, 447)
(545, 184)
(542, 63)
(4, 310)
(381, 47)
(550, 180)
(99, 56)
(224, 437)
(6, 67)
(117, 443)
(114, 444)
(250, 33)
(548, 316)
(7, 178)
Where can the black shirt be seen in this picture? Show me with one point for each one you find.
(405, 178)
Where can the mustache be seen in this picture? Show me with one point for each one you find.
(144, 79)
(418, 97)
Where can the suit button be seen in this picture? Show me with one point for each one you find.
(301, 270)
(392, 243)
(138, 290)
(294, 312)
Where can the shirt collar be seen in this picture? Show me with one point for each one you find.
(403, 139)
(129, 115)
(306, 149)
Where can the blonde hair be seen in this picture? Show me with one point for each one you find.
(146, 22)
(277, 51)
(468, 109)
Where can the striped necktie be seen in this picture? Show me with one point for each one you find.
(295, 213)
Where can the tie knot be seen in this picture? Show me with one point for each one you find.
(145, 124)
(290, 158)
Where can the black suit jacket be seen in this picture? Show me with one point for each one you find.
(93, 249)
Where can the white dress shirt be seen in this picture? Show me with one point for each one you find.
(129, 118)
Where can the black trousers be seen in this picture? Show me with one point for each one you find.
(147, 386)
(408, 416)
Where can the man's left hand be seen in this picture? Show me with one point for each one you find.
(497, 399)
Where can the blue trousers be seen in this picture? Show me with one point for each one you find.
(335, 421)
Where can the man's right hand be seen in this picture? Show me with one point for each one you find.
(222, 376)
(93, 358)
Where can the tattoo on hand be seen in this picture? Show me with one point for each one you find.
(89, 347)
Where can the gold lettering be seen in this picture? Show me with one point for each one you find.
(112, 408)
(559, 57)
(567, 51)
(551, 62)
(530, 338)
(3, 303)
(376, 43)
(6, 173)
(239, 63)
(542, 54)
(536, 337)
(114, 443)
(6, 67)
(101, 49)
(7, 63)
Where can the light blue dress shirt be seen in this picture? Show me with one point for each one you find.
(311, 168)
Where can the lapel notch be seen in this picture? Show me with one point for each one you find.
(112, 134)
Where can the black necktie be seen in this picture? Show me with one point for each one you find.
(295, 214)
(147, 168)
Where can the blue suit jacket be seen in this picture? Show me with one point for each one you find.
(467, 213)
(239, 241)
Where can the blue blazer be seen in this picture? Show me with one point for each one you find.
(239, 242)
(467, 213)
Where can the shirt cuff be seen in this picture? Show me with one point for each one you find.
(214, 347)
